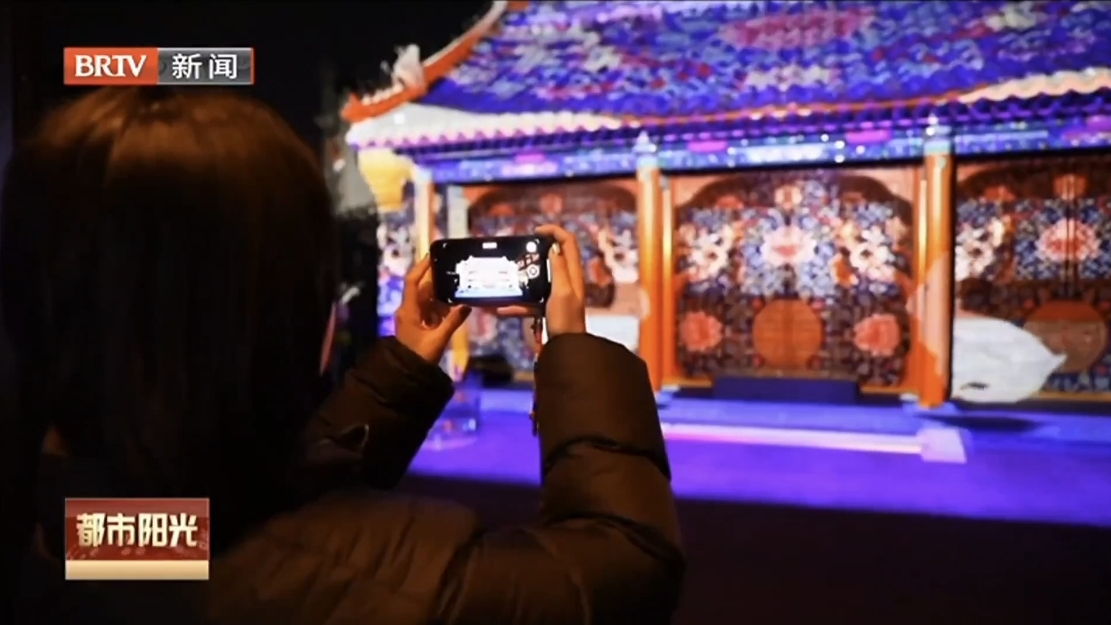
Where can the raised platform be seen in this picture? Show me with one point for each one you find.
(848, 457)
(1020, 426)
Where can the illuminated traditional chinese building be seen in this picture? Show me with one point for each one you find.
(766, 188)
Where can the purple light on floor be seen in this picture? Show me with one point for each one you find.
(1031, 480)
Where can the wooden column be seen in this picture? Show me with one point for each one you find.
(669, 287)
(424, 193)
(916, 304)
(936, 313)
(650, 245)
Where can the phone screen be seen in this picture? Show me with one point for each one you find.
(498, 271)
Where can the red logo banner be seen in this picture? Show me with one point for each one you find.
(137, 539)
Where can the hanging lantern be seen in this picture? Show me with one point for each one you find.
(386, 173)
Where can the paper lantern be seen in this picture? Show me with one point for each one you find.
(386, 173)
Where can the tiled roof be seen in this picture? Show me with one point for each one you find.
(586, 67)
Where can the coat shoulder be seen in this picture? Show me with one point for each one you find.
(348, 557)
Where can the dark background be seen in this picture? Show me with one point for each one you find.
(291, 39)
(294, 42)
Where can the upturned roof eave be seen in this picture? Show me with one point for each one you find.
(435, 67)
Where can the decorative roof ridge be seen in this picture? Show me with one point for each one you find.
(412, 82)
(602, 13)
(1004, 102)
(433, 123)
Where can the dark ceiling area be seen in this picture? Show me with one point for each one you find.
(292, 40)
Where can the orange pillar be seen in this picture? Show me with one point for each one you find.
(424, 192)
(650, 246)
(935, 304)
(916, 304)
(669, 297)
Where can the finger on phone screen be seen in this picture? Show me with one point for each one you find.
(425, 290)
(569, 250)
(413, 279)
(561, 273)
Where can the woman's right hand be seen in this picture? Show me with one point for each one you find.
(565, 311)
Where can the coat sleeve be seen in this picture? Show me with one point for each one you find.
(606, 547)
(378, 418)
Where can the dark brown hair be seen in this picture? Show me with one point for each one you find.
(167, 268)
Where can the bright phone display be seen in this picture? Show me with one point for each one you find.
(496, 271)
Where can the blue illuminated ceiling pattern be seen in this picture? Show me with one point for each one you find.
(676, 60)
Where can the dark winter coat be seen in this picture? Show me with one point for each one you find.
(605, 548)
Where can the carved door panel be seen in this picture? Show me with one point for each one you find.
(1032, 250)
(796, 273)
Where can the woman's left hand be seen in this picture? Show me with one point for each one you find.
(423, 324)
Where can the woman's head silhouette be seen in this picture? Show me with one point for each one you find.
(167, 270)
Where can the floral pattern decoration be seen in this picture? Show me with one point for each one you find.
(1033, 247)
(395, 243)
(839, 244)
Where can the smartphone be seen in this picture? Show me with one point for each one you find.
(492, 271)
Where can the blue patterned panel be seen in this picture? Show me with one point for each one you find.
(718, 255)
(831, 251)
(978, 251)
(1091, 236)
(731, 57)
(1050, 236)
(397, 247)
(1032, 248)
(1041, 241)
(395, 240)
